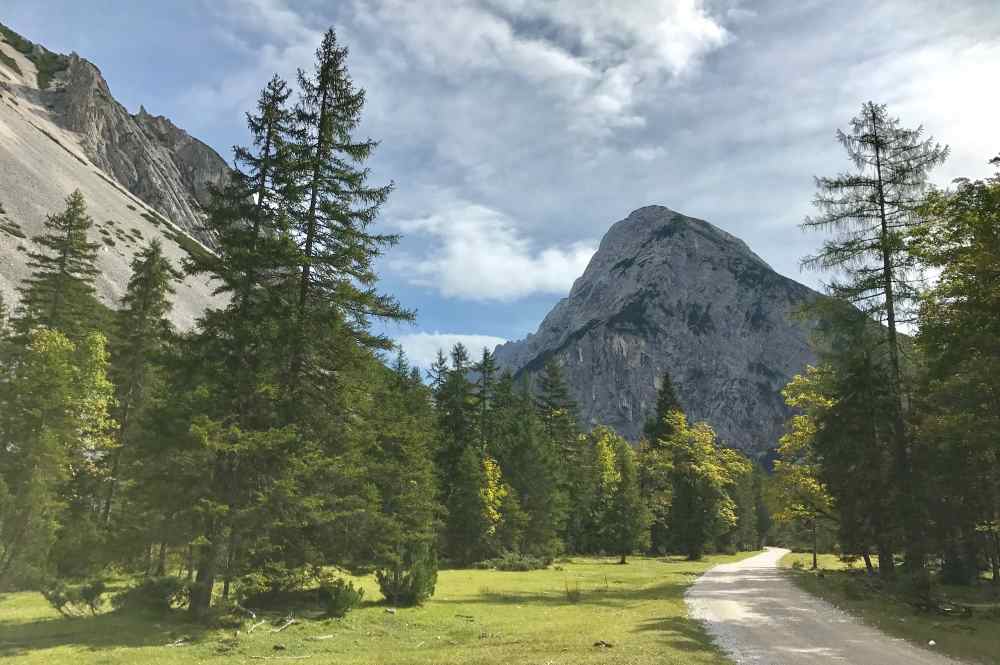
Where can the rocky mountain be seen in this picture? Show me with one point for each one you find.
(669, 293)
(143, 177)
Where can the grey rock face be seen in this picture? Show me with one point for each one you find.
(151, 157)
(666, 292)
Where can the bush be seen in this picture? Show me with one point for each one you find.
(71, 601)
(158, 594)
(338, 597)
(514, 562)
(411, 581)
(272, 584)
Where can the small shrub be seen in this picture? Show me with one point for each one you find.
(513, 562)
(797, 565)
(158, 594)
(411, 581)
(573, 593)
(338, 597)
(92, 593)
(72, 601)
(271, 585)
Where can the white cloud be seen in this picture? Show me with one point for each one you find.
(422, 348)
(593, 61)
(477, 253)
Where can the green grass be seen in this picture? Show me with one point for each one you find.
(976, 639)
(476, 616)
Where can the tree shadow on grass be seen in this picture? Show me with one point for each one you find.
(611, 595)
(104, 631)
(681, 633)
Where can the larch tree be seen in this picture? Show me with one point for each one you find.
(870, 211)
(337, 283)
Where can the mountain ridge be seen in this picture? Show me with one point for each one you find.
(61, 130)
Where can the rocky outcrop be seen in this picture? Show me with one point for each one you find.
(669, 293)
(60, 130)
(149, 155)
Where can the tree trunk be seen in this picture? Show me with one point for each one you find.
(622, 561)
(161, 565)
(915, 558)
(886, 563)
(815, 545)
(868, 563)
(201, 590)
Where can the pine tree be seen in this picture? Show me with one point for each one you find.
(626, 522)
(658, 426)
(142, 329)
(871, 211)
(654, 467)
(59, 294)
(337, 280)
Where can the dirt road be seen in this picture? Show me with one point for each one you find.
(757, 615)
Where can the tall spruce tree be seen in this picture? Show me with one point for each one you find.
(141, 331)
(658, 426)
(238, 358)
(654, 466)
(59, 294)
(870, 211)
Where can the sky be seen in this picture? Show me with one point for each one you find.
(516, 132)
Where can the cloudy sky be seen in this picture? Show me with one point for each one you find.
(518, 131)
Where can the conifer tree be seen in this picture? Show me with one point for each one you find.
(337, 284)
(142, 329)
(626, 522)
(59, 294)
(871, 211)
(658, 426)
(654, 466)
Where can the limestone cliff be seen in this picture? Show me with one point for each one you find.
(666, 292)
(61, 130)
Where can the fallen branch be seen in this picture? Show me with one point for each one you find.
(280, 657)
(280, 628)
(316, 638)
(256, 626)
(182, 641)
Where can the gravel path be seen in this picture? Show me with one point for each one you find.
(758, 615)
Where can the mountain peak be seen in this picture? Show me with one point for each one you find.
(670, 293)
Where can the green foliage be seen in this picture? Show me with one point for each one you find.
(55, 427)
(71, 601)
(339, 596)
(703, 477)
(153, 594)
(411, 581)
(626, 521)
(60, 292)
(512, 561)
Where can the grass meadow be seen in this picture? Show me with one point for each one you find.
(584, 610)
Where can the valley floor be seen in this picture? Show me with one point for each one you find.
(476, 616)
